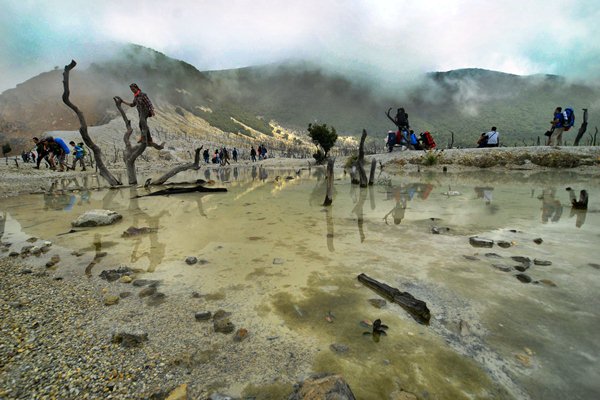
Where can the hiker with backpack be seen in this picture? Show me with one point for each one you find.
(562, 122)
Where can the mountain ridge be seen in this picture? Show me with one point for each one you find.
(457, 104)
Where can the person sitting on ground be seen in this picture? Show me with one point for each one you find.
(489, 139)
(77, 156)
(145, 110)
(413, 142)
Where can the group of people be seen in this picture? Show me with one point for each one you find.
(220, 156)
(260, 151)
(55, 152)
(406, 137)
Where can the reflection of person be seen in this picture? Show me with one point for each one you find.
(551, 207)
(397, 213)
(484, 193)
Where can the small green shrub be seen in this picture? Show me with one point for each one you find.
(431, 157)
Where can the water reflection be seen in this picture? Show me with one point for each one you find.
(551, 207)
(273, 229)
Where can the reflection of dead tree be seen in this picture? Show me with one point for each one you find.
(157, 249)
(329, 221)
(329, 195)
(358, 211)
(361, 160)
(104, 172)
(372, 173)
(582, 128)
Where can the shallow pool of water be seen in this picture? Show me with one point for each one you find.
(294, 263)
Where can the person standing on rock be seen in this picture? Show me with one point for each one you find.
(145, 110)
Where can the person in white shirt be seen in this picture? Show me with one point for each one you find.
(489, 139)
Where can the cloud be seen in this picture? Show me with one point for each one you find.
(392, 40)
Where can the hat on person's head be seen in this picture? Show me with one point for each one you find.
(134, 85)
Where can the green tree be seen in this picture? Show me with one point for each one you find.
(6, 149)
(324, 137)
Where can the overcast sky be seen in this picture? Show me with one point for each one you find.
(384, 38)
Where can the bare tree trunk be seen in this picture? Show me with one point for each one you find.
(329, 195)
(372, 173)
(195, 166)
(104, 172)
(582, 128)
(361, 160)
(131, 153)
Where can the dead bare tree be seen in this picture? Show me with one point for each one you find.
(193, 165)
(83, 129)
(131, 153)
(582, 128)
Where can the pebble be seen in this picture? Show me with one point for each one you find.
(203, 316)
(480, 242)
(240, 335)
(110, 300)
(523, 278)
(148, 291)
(378, 303)
(278, 261)
(191, 260)
(502, 267)
(125, 279)
(156, 299)
(504, 244)
(339, 348)
(538, 241)
(541, 262)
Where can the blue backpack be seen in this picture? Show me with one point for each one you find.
(568, 118)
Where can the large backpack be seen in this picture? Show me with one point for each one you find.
(568, 118)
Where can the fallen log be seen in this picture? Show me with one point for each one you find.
(415, 307)
(179, 190)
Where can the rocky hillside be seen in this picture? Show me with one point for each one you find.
(276, 102)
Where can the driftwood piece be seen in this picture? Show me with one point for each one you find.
(83, 129)
(415, 307)
(329, 195)
(180, 190)
(582, 128)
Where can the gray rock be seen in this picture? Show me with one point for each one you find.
(223, 325)
(480, 242)
(493, 255)
(339, 348)
(523, 278)
(145, 282)
(203, 316)
(322, 386)
(504, 244)
(523, 260)
(541, 262)
(112, 275)
(124, 295)
(156, 299)
(378, 303)
(538, 241)
(278, 261)
(93, 218)
(129, 338)
(191, 260)
(470, 258)
(502, 267)
(26, 249)
(148, 291)
(521, 268)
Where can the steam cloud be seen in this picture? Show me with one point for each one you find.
(384, 41)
